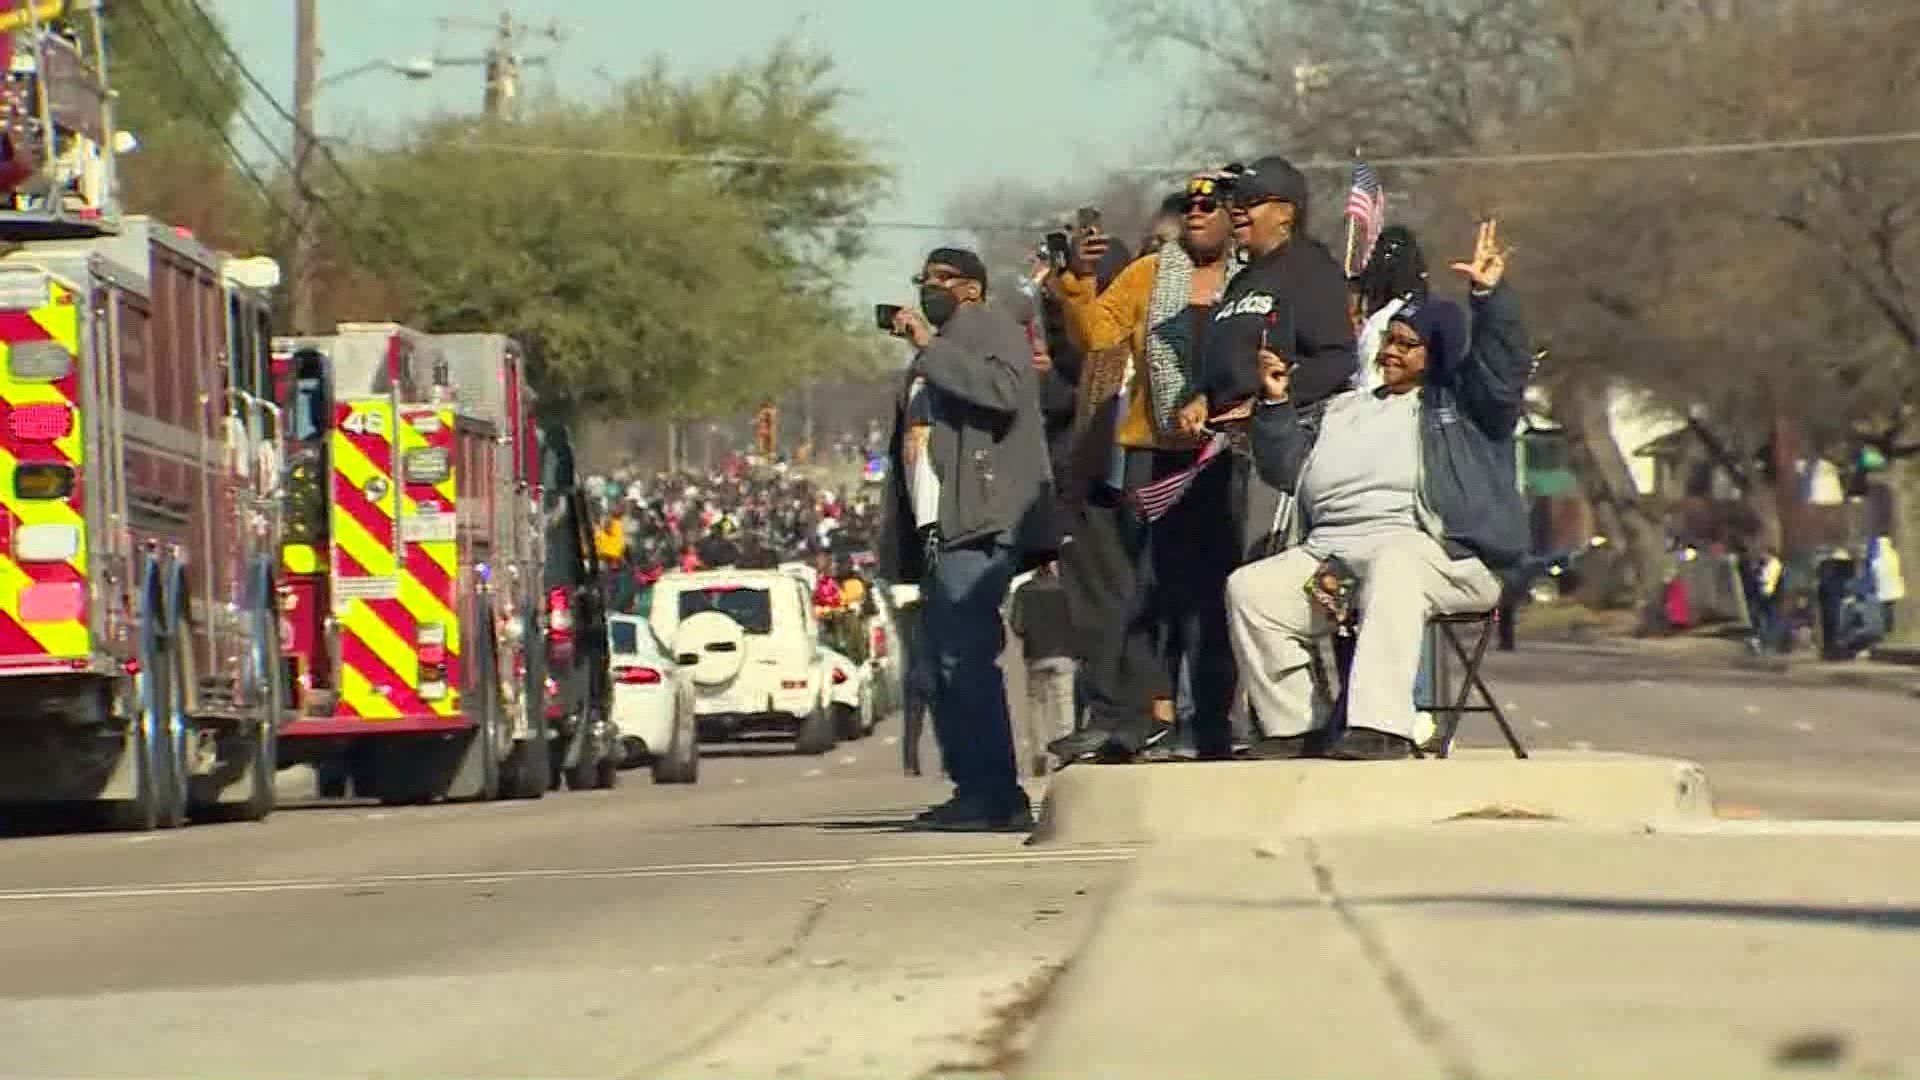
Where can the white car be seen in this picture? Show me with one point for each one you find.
(752, 644)
(652, 703)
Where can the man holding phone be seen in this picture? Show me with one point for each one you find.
(966, 507)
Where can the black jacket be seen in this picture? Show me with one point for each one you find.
(1469, 490)
(1297, 298)
(1039, 615)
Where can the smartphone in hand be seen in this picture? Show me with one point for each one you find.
(1057, 248)
(884, 314)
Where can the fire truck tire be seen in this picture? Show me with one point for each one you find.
(483, 758)
(816, 734)
(586, 773)
(529, 769)
(263, 763)
(160, 795)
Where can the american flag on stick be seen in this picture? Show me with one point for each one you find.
(1367, 210)
(1155, 499)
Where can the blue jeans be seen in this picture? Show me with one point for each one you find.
(964, 638)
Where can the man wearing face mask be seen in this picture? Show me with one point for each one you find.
(966, 506)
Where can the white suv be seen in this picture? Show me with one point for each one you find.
(751, 641)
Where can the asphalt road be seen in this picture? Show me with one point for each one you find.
(774, 920)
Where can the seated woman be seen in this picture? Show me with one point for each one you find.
(1412, 486)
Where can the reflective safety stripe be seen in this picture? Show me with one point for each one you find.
(42, 589)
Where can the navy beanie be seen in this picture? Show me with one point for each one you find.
(1442, 328)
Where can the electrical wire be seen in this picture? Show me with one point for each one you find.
(1757, 146)
(206, 115)
(218, 34)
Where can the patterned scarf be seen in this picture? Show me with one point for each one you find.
(1170, 359)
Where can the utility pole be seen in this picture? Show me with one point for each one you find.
(504, 59)
(306, 65)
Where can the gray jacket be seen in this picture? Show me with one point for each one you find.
(987, 444)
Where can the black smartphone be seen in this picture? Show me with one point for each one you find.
(884, 314)
(1057, 247)
(1087, 219)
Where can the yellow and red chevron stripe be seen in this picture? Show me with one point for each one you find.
(43, 604)
(387, 587)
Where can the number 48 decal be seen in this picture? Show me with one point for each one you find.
(365, 423)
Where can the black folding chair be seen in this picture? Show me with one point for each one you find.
(1473, 696)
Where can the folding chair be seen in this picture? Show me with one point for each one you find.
(1448, 707)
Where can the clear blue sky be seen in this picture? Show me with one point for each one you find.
(1003, 87)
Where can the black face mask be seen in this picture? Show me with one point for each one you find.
(937, 304)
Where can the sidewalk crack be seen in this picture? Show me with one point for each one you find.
(1427, 1026)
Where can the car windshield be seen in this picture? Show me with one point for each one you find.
(751, 608)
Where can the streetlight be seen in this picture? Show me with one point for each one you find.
(416, 68)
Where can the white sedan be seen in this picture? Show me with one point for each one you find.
(652, 703)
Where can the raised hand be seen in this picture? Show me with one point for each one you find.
(1489, 263)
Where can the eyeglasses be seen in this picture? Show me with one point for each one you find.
(940, 278)
(1202, 204)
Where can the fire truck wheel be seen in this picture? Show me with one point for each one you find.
(159, 796)
(529, 769)
(486, 724)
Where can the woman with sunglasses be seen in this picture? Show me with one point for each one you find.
(1155, 313)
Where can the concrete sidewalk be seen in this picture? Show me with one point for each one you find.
(1318, 919)
(1496, 950)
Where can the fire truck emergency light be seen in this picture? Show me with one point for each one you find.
(35, 361)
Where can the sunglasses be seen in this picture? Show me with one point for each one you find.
(1202, 204)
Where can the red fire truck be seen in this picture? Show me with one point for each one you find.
(137, 636)
(401, 604)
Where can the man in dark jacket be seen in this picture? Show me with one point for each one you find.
(968, 486)
(1412, 488)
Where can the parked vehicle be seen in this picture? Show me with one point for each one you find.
(653, 703)
(753, 643)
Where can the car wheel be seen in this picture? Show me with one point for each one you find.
(681, 764)
(816, 734)
(846, 723)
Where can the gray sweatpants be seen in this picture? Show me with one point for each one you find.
(1050, 697)
(1403, 580)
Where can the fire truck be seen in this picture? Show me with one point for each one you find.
(407, 601)
(137, 637)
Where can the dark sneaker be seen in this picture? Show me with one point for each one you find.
(1081, 744)
(1366, 744)
(979, 815)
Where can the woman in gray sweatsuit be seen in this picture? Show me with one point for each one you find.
(1412, 485)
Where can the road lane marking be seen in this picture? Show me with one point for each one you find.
(954, 860)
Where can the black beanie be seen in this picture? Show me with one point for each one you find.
(966, 262)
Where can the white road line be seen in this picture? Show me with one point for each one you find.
(957, 860)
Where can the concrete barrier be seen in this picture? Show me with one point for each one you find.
(1151, 804)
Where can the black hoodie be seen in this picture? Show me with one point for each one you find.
(1295, 300)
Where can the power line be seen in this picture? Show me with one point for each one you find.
(206, 113)
(219, 35)
(1701, 149)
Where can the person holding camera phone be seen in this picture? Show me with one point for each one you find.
(1146, 613)
(965, 508)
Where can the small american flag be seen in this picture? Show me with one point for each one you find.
(1367, 209)
(1155, 499)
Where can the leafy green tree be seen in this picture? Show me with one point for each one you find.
(644, 275)
(178, 92)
